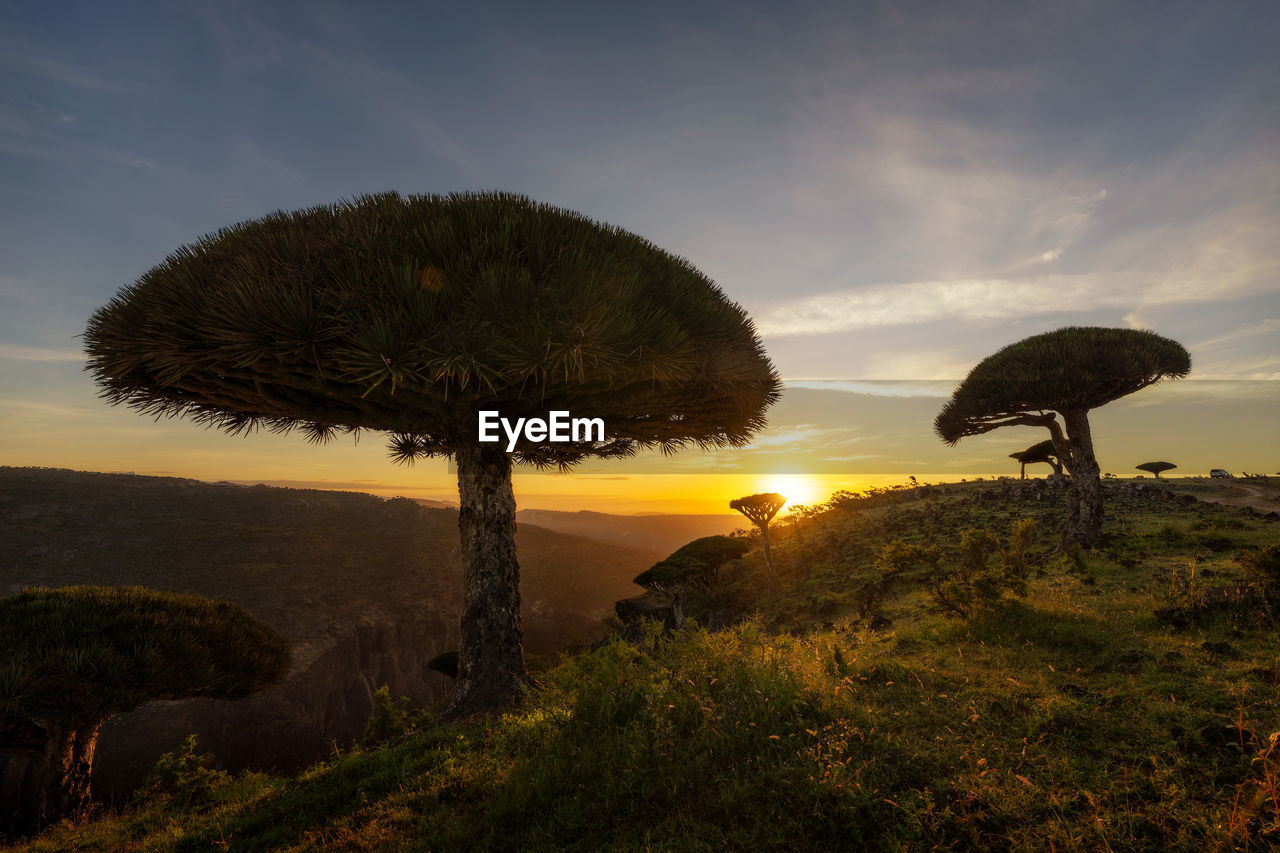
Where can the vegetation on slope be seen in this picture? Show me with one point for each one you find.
(1127, 701)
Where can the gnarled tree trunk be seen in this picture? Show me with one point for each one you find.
(1084, 498)
(491, 667)
(768, 558)
(61, 783)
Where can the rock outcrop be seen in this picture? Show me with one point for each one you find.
(324, 703)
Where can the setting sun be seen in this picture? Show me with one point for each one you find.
(798, 489)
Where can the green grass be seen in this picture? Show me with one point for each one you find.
(1068, 719)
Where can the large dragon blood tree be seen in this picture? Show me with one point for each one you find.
(409, 315)
(73, 657)
(1063, 373)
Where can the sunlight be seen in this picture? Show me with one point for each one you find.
(798, 489)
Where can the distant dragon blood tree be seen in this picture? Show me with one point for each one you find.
(760, 510)
(411, 314)
(1067, 372)
(1156, 468)
(695, 566)
(73, 657)
(1040, 452)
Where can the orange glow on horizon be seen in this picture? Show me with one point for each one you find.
(666, 493)
(798, 489)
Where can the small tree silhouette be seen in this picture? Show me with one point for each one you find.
(410, 316)
(692, 566)
(1041, 452)
(1067, 372)
(1156, 467)
(73, 657)
(760, 510)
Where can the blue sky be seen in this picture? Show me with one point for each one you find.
(892, 190)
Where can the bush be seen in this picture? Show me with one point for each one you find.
(387, 720)
(1262, 568)
(894, 559)
(983, 571)
(1171, 536)
(183, 777)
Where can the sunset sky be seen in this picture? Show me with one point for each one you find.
(892, 190)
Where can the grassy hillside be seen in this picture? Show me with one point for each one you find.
(1127, 701)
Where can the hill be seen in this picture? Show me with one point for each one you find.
(1124, 699)
(660, 532)
(367, 590)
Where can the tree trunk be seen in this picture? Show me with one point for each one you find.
(1024, 471)
(768, 558)
(1084, 497)
(491, 667)
(63, 775)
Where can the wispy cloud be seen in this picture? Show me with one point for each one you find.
(1242, 333)
(48, 139)
(22, 60)
(43, 407)
(17, 352)
(1208, 392)
(991, 299)
(889, 388)
(803, 436)
(930, 301)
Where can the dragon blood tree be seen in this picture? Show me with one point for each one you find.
(1156, 468)
(410, 315)
(1063, 373)
(760, 510)
(1040, 452)
(695, 566)
(73, 657)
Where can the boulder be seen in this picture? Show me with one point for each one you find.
(632, 610)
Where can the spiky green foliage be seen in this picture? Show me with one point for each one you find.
(1072, 369)
(86, 652)
(407, 314)
(694, 563)
(1156, 468)
(1043, 451)
(1039, 452)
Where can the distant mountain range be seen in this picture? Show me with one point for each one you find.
(660, 532)
(651, 530)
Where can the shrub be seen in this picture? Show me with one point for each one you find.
(1262, 568)
(183, 777)
(1171, 536)
(894, 559)
(983, 570)
(387, 720)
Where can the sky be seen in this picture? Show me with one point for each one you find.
(893, 191)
